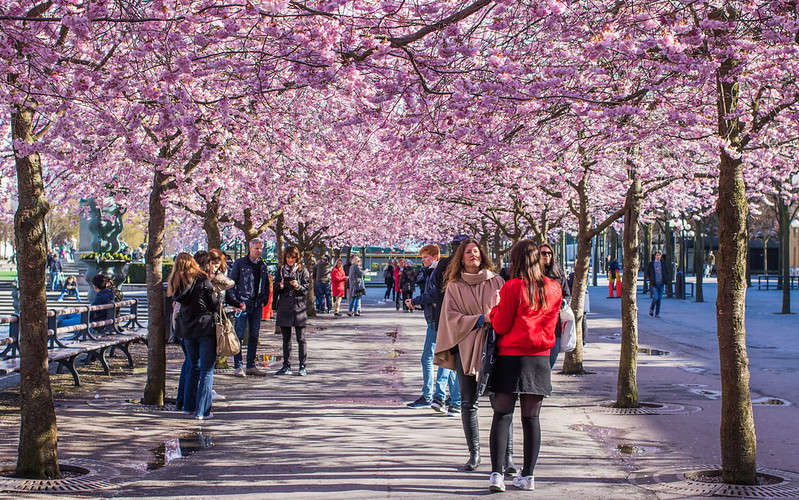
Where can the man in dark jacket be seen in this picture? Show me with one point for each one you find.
(430, 301)
(323, 296)
(104, 294)
(658, 275)
(252, 291)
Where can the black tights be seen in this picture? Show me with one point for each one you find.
(301, 345)
(500, 427)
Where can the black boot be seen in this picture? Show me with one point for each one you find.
(510, 467)
(471, 429)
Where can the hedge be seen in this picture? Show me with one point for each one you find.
(137, 273)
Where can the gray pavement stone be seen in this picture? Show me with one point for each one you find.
(344, 431)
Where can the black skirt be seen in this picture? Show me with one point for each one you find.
(521, 375)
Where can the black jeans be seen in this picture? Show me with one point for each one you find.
(469, 406)
(389, 289)
(303, 355)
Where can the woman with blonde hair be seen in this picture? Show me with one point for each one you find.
(524, 320)
(471, 290)
(357, 286)
(190, 287)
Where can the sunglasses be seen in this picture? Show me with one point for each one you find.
(546, 253)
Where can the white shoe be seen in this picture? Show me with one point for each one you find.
(205, 417)
(524, 482)
(496, 482)
(239, 372)
(215, 395)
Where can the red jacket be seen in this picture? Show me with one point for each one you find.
(338, 281)
(523, 331)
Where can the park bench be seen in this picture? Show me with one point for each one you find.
(84, 339)
(764, 281)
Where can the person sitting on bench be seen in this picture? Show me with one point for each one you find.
(104, 295)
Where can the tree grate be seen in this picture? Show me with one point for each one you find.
(704, 480)
(81, 475)
(647, 408)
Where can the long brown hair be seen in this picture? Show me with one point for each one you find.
(184, 272)
(292, 251)
(525, 264)
(218, 256)
(455, 266)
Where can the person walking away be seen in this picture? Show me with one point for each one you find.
(291, 308)
(710, 262)
(198, 304)
(55, 272)
(357, 286)
(407, 285)
(388, 278)
(339, 283)
(430, 301)
(324, 301)
(524, 320)
(471, 291)
(70, 287)
(552, 270)
(252, 290)
(658, 275)
(397, 290)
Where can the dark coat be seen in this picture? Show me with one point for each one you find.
(431, 296)
(244, 273)
(649, 274)
(291, 304)
(104, 296)
(408, 279)
(198, 303)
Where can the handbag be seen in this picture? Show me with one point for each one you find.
(488, 358)
(568, 330)
(227, 343)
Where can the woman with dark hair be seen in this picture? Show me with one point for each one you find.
(339, 284)
(471, 290)
(357, 286)
(524, 320)
(190, 287)
(552, 270)
(291, 284)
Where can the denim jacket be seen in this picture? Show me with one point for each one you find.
(243, 272)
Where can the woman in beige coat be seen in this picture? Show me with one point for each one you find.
(471, 291)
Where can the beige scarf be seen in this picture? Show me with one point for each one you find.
(464, 301)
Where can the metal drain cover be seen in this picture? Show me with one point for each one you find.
(686, 481)
(89, 475)
(647, 408)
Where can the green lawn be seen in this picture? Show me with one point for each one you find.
(8, 275)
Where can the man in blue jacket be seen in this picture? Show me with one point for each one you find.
(252, 291)
(430, 300)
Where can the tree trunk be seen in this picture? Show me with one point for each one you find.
(647, 250)
(668, 259)
(627, 386)
(765, 255)
(155, 387)
(573, 361)
(37, 454)
(211, 228)
(699, 260)
(310, 296)
(596, 260)
(737, 430)
(784, 220)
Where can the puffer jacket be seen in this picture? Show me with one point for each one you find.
(291, 305)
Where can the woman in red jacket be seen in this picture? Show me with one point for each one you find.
(524, 320)
(339, 281)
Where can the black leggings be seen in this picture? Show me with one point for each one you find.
(286, 331)
(389, 289)
(500, 427)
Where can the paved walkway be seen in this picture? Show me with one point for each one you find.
(344, 431)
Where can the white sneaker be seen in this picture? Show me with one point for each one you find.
(496, 482)
(215, 395)
(239, 372)
(524, 482)
(205, 417)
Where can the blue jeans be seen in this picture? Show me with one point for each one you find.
(200, 382)
(66, 292)
(553, 353)
(323, 297)
(657, 296)
(250, 317)
(185, 370)
(55, 281)
(355, 304)
(444, 378)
